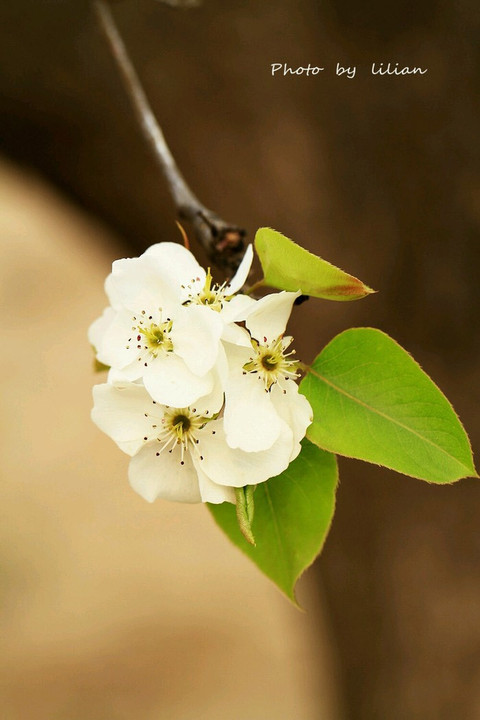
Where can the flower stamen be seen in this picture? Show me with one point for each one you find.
(272, 362)
(179, 429)
(212, 295)
(156, 337)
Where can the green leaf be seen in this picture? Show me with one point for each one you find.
(287, 266)
(372, 401)
(293, 513)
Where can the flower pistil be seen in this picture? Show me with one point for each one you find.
(213, 296)
(179, 427)
(272, 362)
(156, 337)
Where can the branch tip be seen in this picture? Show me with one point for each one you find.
(223, 242)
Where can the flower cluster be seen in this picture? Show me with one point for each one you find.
(201, 389)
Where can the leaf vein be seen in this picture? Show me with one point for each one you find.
(376, 411)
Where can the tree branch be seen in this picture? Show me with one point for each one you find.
(222, 241)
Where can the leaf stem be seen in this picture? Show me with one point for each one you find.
(223, 242)
(245, 511)
(307, 369)
(256, 286)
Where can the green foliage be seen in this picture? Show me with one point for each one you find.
(293, 513)
(287, 266)
(372, 401)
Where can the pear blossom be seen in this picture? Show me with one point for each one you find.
(160, 327)
(201, 391)
(192, 285)
(181, 453)
(189, 280)
(261, 393)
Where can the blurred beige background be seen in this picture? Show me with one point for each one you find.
(379, 175)
(114, 609)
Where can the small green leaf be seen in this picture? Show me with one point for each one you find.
(287, 266)
(245, 511)
(372, 401)
(99, 367)
(293, 513)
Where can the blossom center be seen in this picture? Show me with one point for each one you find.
(269, 362)
(212, 295)
(179, 429)
(182, 422)
(156, 337)
(272, 362)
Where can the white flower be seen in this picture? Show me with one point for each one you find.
(189, 281)
(160, 326)
(261, 393)
(192, 285)
(146, 333)
(181, 453)
(201, 404)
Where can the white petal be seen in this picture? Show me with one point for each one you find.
(112, 293)
(236, 335)
(237, 309)
(129, 374)
(162, 476)
(211, 404)
(169, 381)
(240, 277)
(126, 376)
(139, 285)
(179, 268)
(294, 409)
(120, 413)
(269, 318)
(98, 328)
(211, 492)
(236, 468)
(175, 258)
(119, 346)
(221, 368)
(251, 420)
(238, 354)
(196, 336)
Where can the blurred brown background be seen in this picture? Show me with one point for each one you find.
(380, 175)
